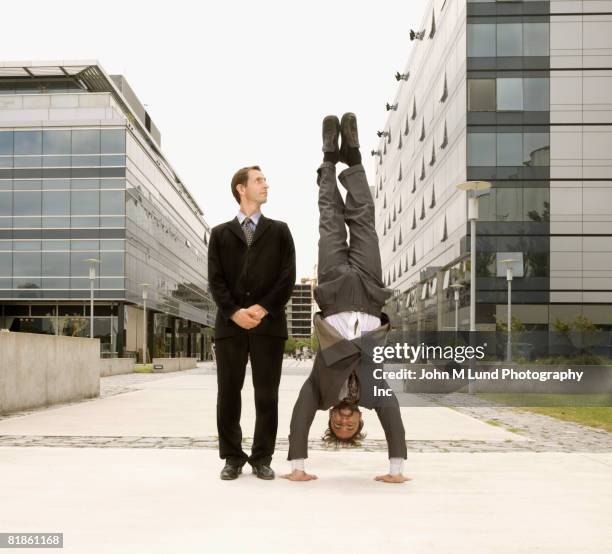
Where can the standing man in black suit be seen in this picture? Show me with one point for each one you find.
(251, 273)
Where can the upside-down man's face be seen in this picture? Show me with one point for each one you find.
(344, 420)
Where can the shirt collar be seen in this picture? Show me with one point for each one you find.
(254, 218)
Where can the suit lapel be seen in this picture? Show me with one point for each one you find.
(235, 227)
(261, 228)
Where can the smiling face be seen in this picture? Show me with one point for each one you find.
(345, 421)
(255, 191)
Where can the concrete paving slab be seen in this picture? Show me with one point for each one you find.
(185, 405)
(160, 501)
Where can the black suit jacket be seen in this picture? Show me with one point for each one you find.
(336, 359)
(240, 275)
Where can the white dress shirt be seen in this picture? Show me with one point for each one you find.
(351, 325)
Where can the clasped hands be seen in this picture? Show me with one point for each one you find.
(250, 317)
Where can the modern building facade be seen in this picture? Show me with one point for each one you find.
(300, 309)
(83, 176)
(518, 94)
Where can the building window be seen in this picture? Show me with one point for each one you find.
(536, 93)
(509, 204)
(481, 40)
(28, 142)
(508, 39)
(481, 149)
(535, 39)
(56, 142)
(481, 95)
(510, 94)
(536, 149)
(86, 141)
(509, 149)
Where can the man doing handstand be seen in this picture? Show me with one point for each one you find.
(350, 294)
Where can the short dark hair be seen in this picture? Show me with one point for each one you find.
(240, 178)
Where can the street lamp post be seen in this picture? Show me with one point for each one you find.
(92, 278)
(145, 295)
(475, 189)
(508, 262)
(456, 287)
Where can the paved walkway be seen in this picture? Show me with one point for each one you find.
(137, 471)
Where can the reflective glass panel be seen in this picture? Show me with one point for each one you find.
(56, 203)
(536, 204)
(481, 95)
(85, 202)
(112, 202)
(481, 149)
(509, 149)
(6, 142)
(536, 149)
(113, 141)
(481, 40)
(56, 142)
(537, 95)
(86, 141)
(510, 204)
(536, 39)
(28, 142)
(55, 263)
(6, 202)
(510, 39)
(26, 263)
(26, 203)
(111, 263)
(510, 94)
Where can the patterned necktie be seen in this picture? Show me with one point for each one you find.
(353, 388)
(248, 230)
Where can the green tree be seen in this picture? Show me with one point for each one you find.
(290, 345)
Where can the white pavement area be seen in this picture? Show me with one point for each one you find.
(185, 405)
(148, 500)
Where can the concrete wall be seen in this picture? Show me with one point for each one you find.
(42, 370)
(175, 364)
(116, 366)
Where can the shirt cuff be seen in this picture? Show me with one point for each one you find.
(297, 465)
(396, 466)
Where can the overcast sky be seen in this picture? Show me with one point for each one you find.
(237, 83)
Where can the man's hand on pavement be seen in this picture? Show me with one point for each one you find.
(392, 478)
(245, 319)
(297, 475)
(257, 311)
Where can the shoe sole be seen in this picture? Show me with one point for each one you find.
(333, 146)
(348, 130)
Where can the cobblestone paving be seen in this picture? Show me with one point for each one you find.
(543, 433)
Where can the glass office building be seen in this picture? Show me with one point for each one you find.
(82, 176)
(517, 93)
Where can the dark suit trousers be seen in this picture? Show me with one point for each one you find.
(363, 253)
(266, 354)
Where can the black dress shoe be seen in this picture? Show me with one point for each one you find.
(230, 472)
(331, 133)
(349, 134)
(263, 471)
